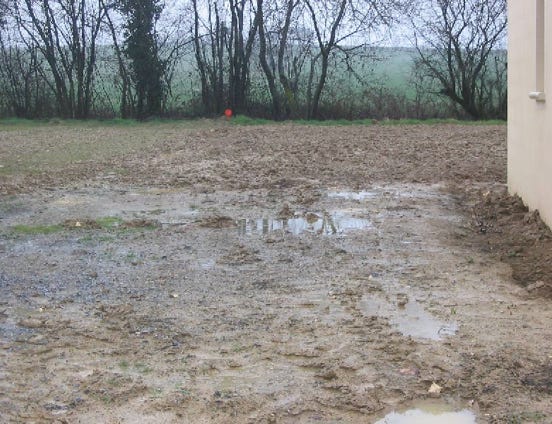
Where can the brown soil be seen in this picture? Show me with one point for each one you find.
(280, 273)
(518, 237)
(269, 157)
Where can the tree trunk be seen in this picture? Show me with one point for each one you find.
(270, 79)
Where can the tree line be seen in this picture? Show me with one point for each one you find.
(282, 59)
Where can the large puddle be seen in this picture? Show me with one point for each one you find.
(323, 224)
(410, 318)
(429, 412)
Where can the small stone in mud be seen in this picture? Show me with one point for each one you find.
(435, 389)
(81, 224)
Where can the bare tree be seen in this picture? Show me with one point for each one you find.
(210, 36)
(23, 80)
(127, 101)
(337, 25)
(460, 47)
(290, 60)
(268, 72)
(296, 58)
(240, 48)
(175, 44)
(224, 35)
(285, 45)
(331, 13)
(65, 33)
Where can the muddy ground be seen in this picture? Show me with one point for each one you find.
(211, 273)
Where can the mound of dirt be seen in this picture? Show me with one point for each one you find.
(518, 237)
(217, 222)
(141, 223)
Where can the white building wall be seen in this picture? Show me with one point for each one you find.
(530, 120)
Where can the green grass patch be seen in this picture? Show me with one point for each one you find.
(105, 223)
(6, 123)
(15, 123)
(119, 122)
(181, 388)
(86, 239)
(156, 392)
(130, 123)
(106, 239)
(245, 120)
(109, 222)
(36, 229)
(333, 122)
(20, 123)
(142, 368)
(438, 122)
(106, 399)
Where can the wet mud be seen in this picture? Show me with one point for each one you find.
(299, 301)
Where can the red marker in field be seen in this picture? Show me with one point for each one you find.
(228, 113)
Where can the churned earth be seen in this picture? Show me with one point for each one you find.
(211, 273)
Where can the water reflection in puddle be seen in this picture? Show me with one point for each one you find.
(429, 413)
(336, 223)
(398, 192)
(352, 195)
(411, 319)
(208, 264)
